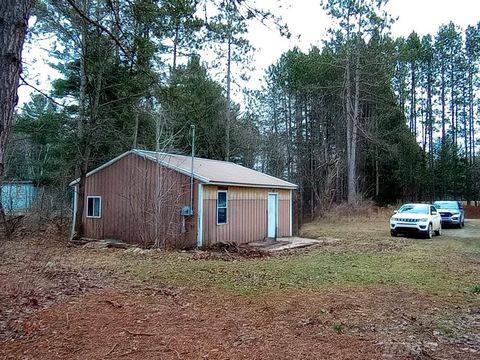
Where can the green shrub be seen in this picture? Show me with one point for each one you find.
(339, 328)
(475, 289)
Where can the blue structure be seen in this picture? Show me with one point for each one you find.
(18, 196)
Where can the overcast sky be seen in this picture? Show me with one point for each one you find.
(308, 23)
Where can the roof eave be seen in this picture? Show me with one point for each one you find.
(270, 186)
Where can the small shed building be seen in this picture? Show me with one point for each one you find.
(17, 196)
(175, 201)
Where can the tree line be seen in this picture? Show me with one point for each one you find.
(370, 116)
(364, 116)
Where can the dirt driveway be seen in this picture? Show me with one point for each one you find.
(470, 230)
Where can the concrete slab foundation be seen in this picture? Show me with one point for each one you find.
(284, 243)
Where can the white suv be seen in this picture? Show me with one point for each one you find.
(421, 219)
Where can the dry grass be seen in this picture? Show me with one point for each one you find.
(36, 271)
(363, 212)
(472, 212)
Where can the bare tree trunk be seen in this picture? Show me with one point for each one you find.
(413, 102)
(470, 152)
(135, 130)
(289, 139)
(13, 27)
(353, 158)
(430, 129)
(175, 49)
(442, 96)
(352, 121)
(229, 80)
(471, 127)
(377, 166)
(452, 109)
(82, 161)
(350, 172)
(156, 201)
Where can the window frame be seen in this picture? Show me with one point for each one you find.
(226, 207)
(93, 210)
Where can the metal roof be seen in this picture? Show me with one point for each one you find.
(209, 171)
(216, 171)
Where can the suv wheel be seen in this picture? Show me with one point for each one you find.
(393, 233)
(429, 233)
(438, 232)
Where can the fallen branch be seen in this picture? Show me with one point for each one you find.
(112, 349)
(113, 303)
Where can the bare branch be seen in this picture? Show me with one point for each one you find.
(25, 82)
(101, 27)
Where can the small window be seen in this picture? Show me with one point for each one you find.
(94, 206)
(222, 205)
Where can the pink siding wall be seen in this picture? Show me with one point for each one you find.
(247, 215)
(128, 189)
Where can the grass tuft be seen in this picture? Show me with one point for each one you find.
(339, 328)
(475, 289)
